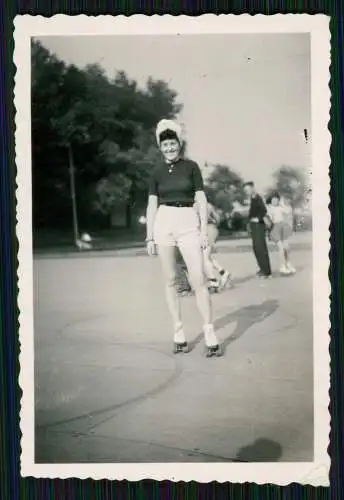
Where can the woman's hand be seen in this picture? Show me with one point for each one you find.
(151, 248)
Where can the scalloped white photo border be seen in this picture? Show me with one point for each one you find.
(314, 473)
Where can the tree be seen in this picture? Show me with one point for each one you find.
(109, 126)
(291, 182)
(223, 187)
(111, 190)
(50, 178)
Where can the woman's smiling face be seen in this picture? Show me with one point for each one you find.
(170, 149)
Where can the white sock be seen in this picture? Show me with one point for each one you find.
(209, 336)
(179, 335)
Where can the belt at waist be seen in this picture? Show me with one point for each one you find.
(178, 204)
(255, 219)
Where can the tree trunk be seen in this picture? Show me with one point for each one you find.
(130, 204)
(72, 192)
(128, 216)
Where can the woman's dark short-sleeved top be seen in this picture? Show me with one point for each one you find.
(179, 185)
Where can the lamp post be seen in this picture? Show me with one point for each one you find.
(72, 192)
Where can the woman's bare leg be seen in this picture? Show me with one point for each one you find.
(289, 265)
(281, 253)
(216, 264)
(211, 262)
(286, 251)
(192, 254)
(168, 263)
(209, 268)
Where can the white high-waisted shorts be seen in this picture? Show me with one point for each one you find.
(176, 226)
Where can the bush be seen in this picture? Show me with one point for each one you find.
(238, 222)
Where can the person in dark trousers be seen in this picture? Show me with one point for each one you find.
(258, 223)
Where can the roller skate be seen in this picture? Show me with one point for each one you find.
(226, 280)
(184, 291)
(213, 286)
(291, 268)
(284, 270)
(213, 351)
(212, 346)
(180, 346)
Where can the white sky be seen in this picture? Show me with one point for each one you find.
(248, 114)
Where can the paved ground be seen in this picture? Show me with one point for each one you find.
(108, 388)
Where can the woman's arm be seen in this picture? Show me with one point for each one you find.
(269, 211)
(152, 208)
(202, 206)
(200, 198)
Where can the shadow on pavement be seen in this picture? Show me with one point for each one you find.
(262, 450)
(275, 274)
(244, 318)
(247, 248)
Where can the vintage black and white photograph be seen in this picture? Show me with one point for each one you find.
(173, 231)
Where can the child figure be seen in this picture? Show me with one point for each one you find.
(211, 265)
(183, 284)
(282, 219)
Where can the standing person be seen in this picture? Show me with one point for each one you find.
(258, 220)
(173, 222)
(211, 265)
(281, 215)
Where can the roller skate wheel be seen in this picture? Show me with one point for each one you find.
(180, 348)
(213, 351)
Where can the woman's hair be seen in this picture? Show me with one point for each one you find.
(168, 135)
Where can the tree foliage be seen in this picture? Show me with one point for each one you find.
(223, 187)
(290, 182)
(109, 124)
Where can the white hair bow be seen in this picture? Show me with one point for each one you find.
(165, 124)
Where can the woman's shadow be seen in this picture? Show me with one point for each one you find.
(244, 318)
(262, 450)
